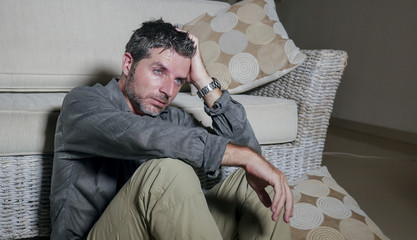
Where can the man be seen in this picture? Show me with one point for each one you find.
(123, 157)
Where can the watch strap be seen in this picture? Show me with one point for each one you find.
(210, 87)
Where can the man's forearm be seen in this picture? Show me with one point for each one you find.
(260, 174)
(238, 156)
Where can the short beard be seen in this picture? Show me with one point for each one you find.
(134, 98)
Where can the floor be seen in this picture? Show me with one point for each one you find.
(380, 174)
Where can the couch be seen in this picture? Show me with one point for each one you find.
(49, 47)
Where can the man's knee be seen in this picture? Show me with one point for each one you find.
(174, 164)
(162, 184)
(160, 174)
(175, 169)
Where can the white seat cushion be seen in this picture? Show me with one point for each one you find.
(273, 120)
(28, 120)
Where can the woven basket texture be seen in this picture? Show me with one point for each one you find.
(25, 180)
(24, 196)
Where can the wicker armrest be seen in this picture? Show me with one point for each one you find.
(313, 86)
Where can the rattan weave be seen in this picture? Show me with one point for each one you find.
(25, 180)
(24, 196)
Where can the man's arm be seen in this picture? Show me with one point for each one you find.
(200, 78)
(230, 119)
(259, 172)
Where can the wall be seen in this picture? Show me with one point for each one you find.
(379, 87)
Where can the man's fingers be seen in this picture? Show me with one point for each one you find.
(281, 200)
(279, 191)
(262, 175)
(289, 204)
(278, 200)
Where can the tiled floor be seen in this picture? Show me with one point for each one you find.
(380, 174)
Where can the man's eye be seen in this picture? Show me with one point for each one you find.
(179, 81)
(158, 71)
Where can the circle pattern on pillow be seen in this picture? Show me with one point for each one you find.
(250, 13)
(333, 207)
(233, 42)
(333, 185)
(280, 30)
(210, 51)
(353, 205)
(353, 229)
(246, 27)
(337, 209)
(321, 233)
(306, 216)
(271, 58)
(259, 33)
(270, 11)
(224, 22)
(220, 72)
(271, 2)
(293, 53)
(314, 188)
(243, 67)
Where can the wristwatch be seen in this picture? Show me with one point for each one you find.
(215, 84)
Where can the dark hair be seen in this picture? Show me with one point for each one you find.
(159, 34)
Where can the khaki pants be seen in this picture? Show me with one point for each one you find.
(164, 200)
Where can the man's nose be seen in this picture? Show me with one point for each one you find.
(168, 87)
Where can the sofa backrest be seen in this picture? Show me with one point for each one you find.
(55, 45)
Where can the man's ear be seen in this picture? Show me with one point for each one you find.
(127, 63)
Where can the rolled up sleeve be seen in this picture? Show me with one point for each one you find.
(230, 121)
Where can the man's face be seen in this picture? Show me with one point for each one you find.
(156, 80)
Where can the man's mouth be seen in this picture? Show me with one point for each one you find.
(160, 102)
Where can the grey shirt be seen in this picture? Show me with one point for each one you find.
(99, 144)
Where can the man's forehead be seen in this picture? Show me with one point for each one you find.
(169, 59)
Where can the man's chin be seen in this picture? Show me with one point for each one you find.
(152, 112)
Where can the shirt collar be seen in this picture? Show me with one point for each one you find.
(116, 95)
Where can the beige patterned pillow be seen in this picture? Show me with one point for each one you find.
(324, 210)
(245, 46)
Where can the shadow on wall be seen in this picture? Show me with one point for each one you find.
(102, 77)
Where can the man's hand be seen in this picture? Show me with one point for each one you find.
(260, 174)
(198, 75)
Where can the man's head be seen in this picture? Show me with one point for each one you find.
(155, 65)
(159, 34)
